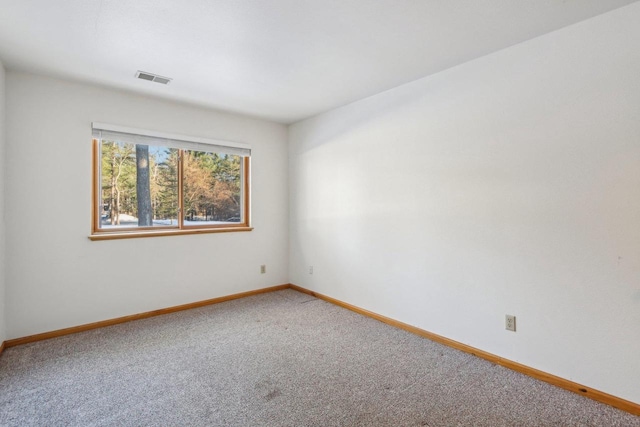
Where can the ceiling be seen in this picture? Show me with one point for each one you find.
(282, 60)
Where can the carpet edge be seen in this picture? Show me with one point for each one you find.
(115, 321)
(563, 383)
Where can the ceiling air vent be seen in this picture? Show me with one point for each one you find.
(152, 77)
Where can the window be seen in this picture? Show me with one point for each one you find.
(148, 184)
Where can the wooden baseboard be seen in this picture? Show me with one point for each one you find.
(110, 322)
(589, 392)
(3, 344)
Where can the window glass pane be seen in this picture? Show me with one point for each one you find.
(139, 185)
(212, 188)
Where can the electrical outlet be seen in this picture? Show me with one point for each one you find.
(263, 269)
(311, 269)
(510, 323)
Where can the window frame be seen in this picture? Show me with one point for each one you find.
(98, 233)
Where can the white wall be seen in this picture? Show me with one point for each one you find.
(507, 185)
(57, 277)
(2, 226)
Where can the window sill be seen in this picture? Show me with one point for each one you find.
(135, 235)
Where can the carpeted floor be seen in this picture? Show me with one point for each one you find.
(277, 359)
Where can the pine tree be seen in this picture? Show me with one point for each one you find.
(143, 188)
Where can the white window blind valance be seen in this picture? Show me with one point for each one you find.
(128, 135)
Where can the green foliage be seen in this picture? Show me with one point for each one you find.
(164, 186)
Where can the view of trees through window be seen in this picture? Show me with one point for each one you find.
(140, 188)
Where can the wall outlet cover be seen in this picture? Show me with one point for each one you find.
(510, 323)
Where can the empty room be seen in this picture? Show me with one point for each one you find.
(320, 213)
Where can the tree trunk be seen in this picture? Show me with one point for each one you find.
(143, 189)
(112, 201)
(116, 207)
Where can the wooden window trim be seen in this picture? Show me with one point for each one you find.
(178, 230)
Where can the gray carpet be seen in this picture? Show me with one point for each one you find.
(277, 359)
